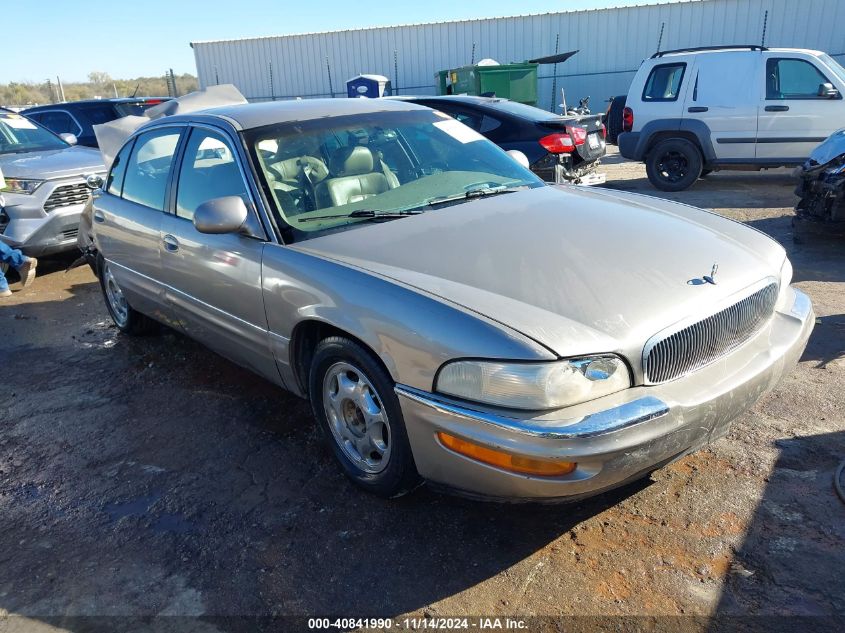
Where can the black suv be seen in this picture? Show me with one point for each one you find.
(79, 117)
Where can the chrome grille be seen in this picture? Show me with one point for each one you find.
(66, 195)
(701, 343)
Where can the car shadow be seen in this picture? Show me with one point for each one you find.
(148, 475)
(788, 573)
(827, 343)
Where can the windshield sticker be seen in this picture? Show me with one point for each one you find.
(458, 131)
(18, 122)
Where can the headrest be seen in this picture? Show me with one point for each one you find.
(351, 161)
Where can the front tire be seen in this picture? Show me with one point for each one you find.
(674, 164)
(127, 319)
(358, 412)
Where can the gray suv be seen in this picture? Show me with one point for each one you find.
(47, 184)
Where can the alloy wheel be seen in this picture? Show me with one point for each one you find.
(114, 295)
(356, 417)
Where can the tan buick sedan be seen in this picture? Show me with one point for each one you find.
(449, 316)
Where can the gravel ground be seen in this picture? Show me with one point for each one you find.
(143, 477)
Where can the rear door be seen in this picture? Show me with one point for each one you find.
(793, 118)
(213, 282)
(127, 217)
(723, 97)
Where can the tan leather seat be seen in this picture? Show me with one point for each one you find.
(353, 177)
(291, 169)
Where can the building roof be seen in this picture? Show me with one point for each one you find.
(434, 22)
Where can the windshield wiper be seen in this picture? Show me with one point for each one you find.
(365, 213)
(478, 192)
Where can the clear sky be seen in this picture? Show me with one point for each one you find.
(71, 38)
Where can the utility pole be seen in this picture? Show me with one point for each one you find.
(61, 88)
(50, 91)
(170, 78)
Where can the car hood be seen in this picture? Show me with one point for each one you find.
(52, 164)
(578, 270)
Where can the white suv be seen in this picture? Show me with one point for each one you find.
(692, 111)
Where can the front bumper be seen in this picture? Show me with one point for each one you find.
(36, 232)
(614, 439)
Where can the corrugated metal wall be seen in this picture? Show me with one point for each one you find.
(612, 43)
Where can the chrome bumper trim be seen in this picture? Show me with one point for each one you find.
(626, 415)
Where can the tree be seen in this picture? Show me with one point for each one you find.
(99, 77)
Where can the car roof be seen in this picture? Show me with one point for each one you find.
(732, 49)
(473, 99)
(65, 104)
(252, 115)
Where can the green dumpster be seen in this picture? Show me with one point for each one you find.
(517, 82)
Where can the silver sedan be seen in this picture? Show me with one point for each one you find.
(450, 317)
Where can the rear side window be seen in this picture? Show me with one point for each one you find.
(209, 170)
(100, 113)
(793, 79)
(114, 183)
(148, 168)
(664, 82)
(58, 122)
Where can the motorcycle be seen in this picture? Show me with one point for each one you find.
(822, 189)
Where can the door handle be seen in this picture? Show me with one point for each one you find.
(697, 109)
(776, 108)
(170, 243)
(99, 217)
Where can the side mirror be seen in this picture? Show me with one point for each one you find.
(519, 157)
(221, 215)
(828, 91)
(69, 138)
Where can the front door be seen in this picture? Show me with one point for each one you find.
(214, 281)
(793, 117)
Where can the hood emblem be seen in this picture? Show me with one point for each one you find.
(706, 279)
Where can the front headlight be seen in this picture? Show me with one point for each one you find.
(534, 386)
(22, 185)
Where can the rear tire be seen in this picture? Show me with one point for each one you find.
(358, 412)
(674, 164)
(128, 320)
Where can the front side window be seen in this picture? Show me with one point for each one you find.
(18, 135)
(319, 172)
(209, 170)
(664, 82)
(148, 167)
(790, 78)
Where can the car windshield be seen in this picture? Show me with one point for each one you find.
(343, 171)
(18, 134)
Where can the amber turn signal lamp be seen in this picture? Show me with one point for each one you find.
(506, 461)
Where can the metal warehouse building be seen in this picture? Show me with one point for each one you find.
(612, 43)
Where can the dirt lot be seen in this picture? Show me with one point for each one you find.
(150, 477)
